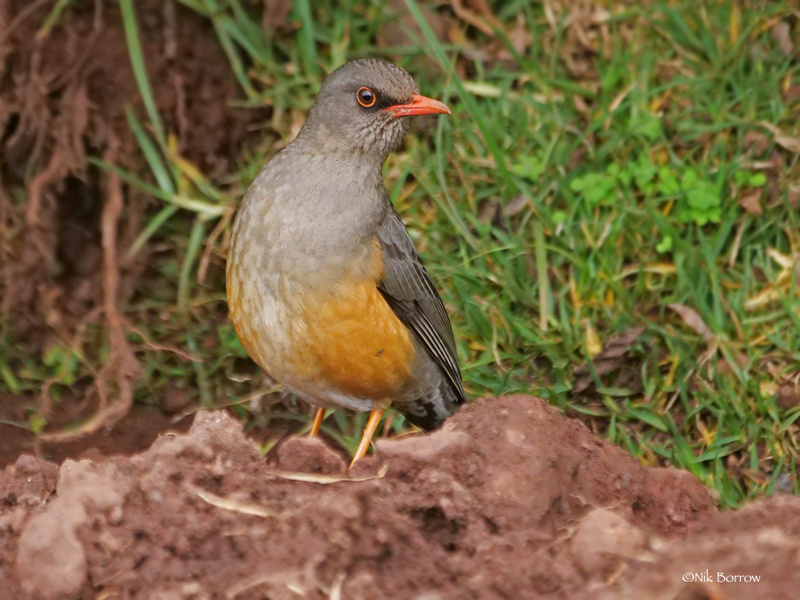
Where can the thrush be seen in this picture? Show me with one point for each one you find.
(325, 288)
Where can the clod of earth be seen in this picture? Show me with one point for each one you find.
(509, 500)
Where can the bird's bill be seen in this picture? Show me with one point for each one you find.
(419, 105)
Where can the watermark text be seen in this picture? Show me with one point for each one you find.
(719, 577)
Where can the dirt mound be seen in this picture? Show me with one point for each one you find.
(509, 500)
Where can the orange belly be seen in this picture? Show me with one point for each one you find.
(358, 344)
(340, 341)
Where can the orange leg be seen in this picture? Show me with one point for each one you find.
(318, 416)
(366, 439)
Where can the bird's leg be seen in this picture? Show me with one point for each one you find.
(366, 439)
(315, 425)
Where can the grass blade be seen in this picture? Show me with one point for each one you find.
(139, 68)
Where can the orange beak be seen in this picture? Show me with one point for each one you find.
(419, 105)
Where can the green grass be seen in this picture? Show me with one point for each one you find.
(572, 196)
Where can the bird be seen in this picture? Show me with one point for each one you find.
(325, 288)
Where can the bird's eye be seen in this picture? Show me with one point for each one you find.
(366, 97)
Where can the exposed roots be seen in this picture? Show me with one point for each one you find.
(114, 382)
(65, 281)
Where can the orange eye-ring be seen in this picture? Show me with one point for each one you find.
(366, 97)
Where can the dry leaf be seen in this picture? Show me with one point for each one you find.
(481, 7)
(724, 368)
(768, 388)
(780, 31)
(577, 156)
(790, 265)
(787, 396)
(788, 142)
(580, 105)
(327, 479)
(275, 15)
(515, 206)
(657, 268)
(692, 319)
(247, 508)
(478, 14)
(520, 35)
(757, 477)
(791, 93)
(404, 29)
(490, 211)
(750, 202)
(610, 358)
(618, 345)
(757, 141)
(593, 344)
(785, 261)
(764, 297)
(735, 24)
(619, 98)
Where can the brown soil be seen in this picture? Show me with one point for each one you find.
(132, 433)
(65, 223)
(63, 100)
(509, 500)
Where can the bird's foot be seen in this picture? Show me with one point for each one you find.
(366, 439)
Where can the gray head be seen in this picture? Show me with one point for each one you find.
(361, 108)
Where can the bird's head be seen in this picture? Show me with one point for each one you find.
(363, 105)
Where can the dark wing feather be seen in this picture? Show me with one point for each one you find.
(410, 293)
